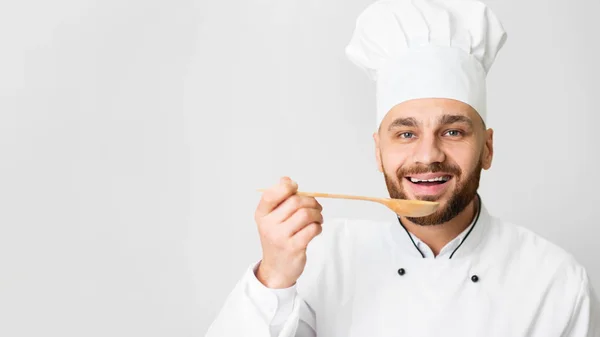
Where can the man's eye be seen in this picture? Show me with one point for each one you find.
(406, 135)
(454, 133)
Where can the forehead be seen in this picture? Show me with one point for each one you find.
(428, 111)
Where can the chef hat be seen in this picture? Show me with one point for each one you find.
(427, 49)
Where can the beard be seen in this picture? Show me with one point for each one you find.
(464, 192)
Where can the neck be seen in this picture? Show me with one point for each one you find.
(437, 236)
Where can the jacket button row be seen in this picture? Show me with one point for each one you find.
(474, 278)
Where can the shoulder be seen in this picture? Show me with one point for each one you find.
(534, 253)
(541, 269)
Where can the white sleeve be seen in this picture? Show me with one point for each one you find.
(252, 309)
(585, 318)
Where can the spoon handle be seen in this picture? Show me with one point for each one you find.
(336, 196)
(331, 195)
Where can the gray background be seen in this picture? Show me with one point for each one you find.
(134, 135)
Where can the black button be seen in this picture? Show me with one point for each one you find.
(401, 271)
(474, 278)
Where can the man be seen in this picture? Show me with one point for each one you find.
(457, 272)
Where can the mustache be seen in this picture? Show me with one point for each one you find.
(431, 168)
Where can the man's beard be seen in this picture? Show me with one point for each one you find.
(464, 192)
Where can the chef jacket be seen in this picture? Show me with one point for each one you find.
(374, 278)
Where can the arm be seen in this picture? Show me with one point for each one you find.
(287, 223)
(255, 310)
(585, 317)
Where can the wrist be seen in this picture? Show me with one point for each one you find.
(271, 279)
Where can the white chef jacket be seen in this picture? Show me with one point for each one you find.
(365, 278)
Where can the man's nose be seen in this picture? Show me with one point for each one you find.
(428, 151)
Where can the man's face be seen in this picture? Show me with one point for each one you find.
(434, 149)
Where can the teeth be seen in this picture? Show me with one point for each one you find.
(415, 180)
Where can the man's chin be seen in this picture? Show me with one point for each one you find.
(437, 218)
(426, 197)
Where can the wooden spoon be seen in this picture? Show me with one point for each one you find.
(402, 207)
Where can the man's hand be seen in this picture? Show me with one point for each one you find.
(286, 223)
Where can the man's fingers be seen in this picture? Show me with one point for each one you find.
(302, 238)
(291, 205)
(300, 219)
(275, 195)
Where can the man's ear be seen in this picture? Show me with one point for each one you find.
(377, 152)
(488, 149)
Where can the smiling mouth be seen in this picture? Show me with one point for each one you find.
(429, 182)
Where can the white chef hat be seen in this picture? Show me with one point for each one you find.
(427, 49)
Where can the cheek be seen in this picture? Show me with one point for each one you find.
(464, 157)
(393, 159)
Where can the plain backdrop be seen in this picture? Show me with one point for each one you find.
(134, 134)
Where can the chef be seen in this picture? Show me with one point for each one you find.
(457, 272)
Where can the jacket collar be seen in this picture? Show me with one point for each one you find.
(466, 244)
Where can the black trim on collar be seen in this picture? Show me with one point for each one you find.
(470, 230)
(411, 239)
(463, 240)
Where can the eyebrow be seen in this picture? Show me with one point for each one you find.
(451, 119)
(408, 122)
